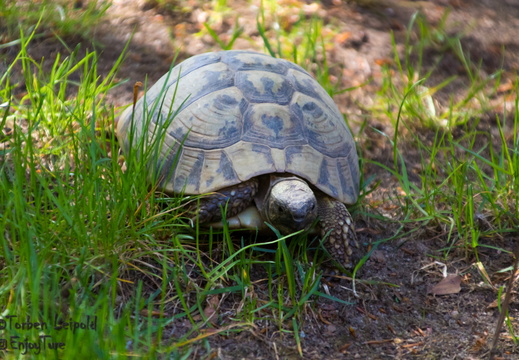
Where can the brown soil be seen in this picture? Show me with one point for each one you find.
(396, 315)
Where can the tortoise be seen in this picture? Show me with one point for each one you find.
(260, 136)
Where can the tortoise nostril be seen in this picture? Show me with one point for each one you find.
(300, 215)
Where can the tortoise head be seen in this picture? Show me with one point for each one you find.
(291, 205)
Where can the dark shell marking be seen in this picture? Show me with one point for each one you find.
(229, 116)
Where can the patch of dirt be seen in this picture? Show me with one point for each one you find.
(395, 315)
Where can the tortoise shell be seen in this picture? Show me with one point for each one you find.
(225, 117)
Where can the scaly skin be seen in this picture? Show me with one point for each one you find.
(335, 219)
(237, 198)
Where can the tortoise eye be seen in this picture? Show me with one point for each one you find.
(281, 209)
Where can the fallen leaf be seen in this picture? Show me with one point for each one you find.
(385, 341)
(153, 313)
(507, 86)
(342, 37)
(449, 285)
(494, 304)
(413, 345)
(210, 310)
(378, 256)
(344, 347)
(383, 61)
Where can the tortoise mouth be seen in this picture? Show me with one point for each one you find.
(290, 226)
(303, 216)
(303, 224)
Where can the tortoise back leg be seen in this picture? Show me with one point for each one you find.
(236, 198)
(335, 219)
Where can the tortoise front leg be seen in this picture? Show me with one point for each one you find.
(335, 220)
(237, 198)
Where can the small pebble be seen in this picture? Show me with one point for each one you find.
(331, 329)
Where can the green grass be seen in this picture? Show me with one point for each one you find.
(59, 18)
(82, 239)
(464, 177)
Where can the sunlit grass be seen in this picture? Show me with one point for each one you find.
(464, 172)
(60, 18)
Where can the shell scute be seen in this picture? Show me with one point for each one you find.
(211, 123)
(262, 86)
(272, 125)
(225, 170)
(250, 61)
(188, 171)
(195, 85)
